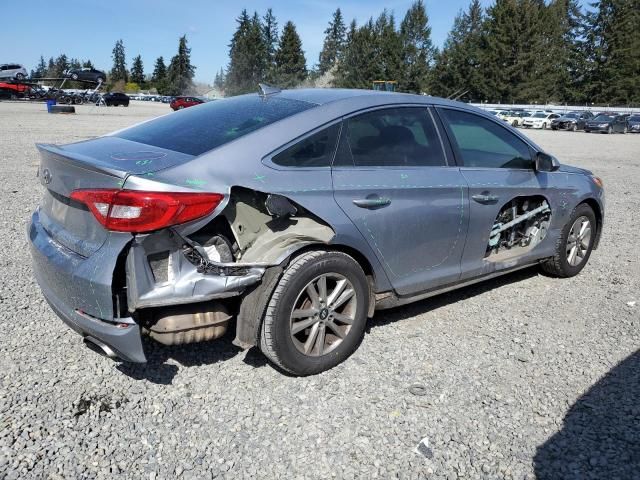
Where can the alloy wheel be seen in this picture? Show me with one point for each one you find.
(323, 314)
(578, 241)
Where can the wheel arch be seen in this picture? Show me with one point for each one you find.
(597, 210)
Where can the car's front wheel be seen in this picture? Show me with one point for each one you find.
(574, 245)
(20, 76)
(317, 313)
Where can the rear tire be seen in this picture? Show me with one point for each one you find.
(574, 245)
(20, 76)
(325, 335)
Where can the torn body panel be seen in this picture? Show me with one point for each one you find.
(519, 227)
(220, 260)
(175, 281)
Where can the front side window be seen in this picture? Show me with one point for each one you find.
(314, 151)
(485, 144)
(394, 137)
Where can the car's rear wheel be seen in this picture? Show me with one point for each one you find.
(19, 76)
(317, 313)
(574, 245)
(514, 123)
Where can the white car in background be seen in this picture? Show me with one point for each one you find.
(539, 120)
(514, 118)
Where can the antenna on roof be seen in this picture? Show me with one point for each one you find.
(264, 90)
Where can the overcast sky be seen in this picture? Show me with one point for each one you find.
(151, 27)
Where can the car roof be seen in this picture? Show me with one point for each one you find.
(323, 96)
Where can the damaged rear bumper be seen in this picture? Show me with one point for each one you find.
(79, 291)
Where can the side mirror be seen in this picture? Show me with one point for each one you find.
(546, 162)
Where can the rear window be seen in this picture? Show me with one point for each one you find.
(200, 129)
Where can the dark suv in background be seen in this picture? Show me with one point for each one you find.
(607, 123)
(115, 99)
(571, 121)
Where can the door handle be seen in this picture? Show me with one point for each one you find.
(372, 202)
(485, 198)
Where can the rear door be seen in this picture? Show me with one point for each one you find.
(392, 178)
(498, 166)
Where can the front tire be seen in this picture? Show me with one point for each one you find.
(317, 313)
(574, 245)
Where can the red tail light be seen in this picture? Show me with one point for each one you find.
(138, 212)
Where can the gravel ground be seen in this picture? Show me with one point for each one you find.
(521, 377)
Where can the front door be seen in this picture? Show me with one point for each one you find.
(503, 186)
(392, 179)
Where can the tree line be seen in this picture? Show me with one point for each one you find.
(515, 51)
(176, 78)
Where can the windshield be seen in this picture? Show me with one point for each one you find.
(572, 115)
(200, 129)
(603, 118)
(634, 118)
(540, 115)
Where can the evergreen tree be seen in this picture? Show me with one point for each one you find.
(417, 49)
(334, 43)
(159, 70)
(60, 66)
(457, 66)
(247, 56)
(614, 51)
(515, 56)
(270, 40)
(564, 51)
(119, 70)
(137, 70)
(41, 69)
(219, 80)
(180, 72)
(388, 49)
(291, 66)
(87, 64)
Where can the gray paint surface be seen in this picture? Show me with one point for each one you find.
(431, 234)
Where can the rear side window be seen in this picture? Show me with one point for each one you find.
(483, 143)
(197, 130)
(314, 151)
(394, 137)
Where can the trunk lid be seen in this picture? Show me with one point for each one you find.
(101, 163)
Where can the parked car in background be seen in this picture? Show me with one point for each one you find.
(192, 223)
(13, 70)
(86, 75)
(179, 103)
(634, 123)
(116, 99)
(514, 118)
(608, 123)
(539, 120)
(571, 121)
